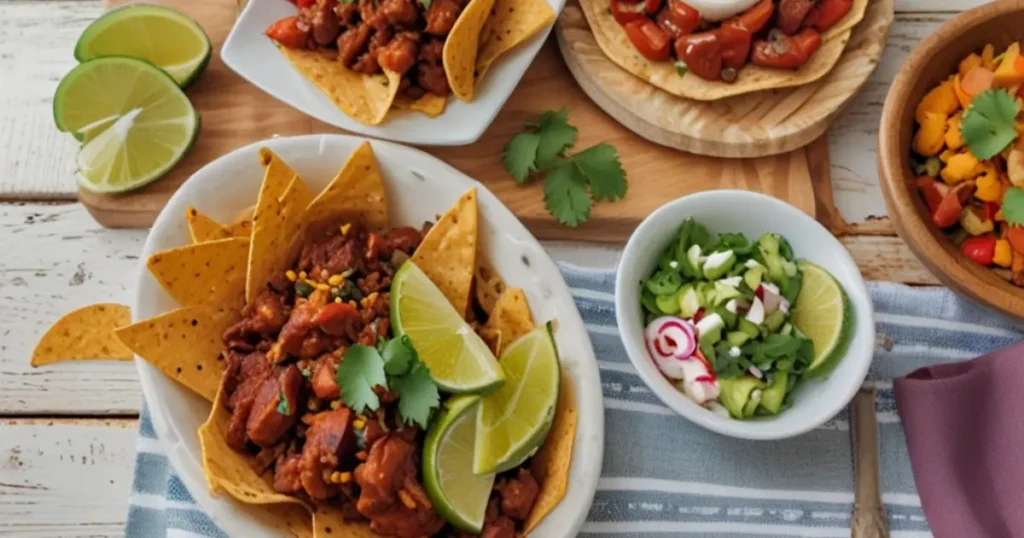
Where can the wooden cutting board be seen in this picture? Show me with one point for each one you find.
(236, 113)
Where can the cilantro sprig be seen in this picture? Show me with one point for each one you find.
(1013, 206)
(392, 365)
(572, 181)
(987, 126)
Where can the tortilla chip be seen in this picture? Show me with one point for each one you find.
(551, 464)
(277, 221)
(329, 522)
(448, 253)
(85, 334)
(430, 104)
(511, 316)
(364, 98)
(492, 337)
(461, 46)
(511, 23)
(242, 227)
(612, 39)
(357, 192)
(202, 228)
(210, 273)
(489, 286)
(185, 344)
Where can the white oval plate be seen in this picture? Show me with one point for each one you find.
(418, 187)
(255, 58)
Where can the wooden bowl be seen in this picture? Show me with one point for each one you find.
(935, 59)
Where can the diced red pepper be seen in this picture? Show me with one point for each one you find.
(792, 14)
(288, 33)
(702, 54)
(979, 249)
(781, 51)
(1015, 235)
(948, 211)
(649, 39)
(754, 19)
(932, 191)
(336, 318)
(735, 45)
(991, 208)
(682, 17)
(699, 315)
(626, 11)
(826, 13)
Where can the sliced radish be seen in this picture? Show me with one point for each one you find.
(671, 342)
(756, 313)
(770, 296)
(756, 372)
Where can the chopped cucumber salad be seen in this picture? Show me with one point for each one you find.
(724, 317)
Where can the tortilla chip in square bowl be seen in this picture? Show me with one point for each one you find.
(243, 457)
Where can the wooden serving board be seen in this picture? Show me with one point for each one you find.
(236, 113)
(750, 125)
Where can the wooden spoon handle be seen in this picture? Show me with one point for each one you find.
(868, 514)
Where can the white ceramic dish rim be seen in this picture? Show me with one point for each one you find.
(161, 393)
(627, 308)
(250, 54)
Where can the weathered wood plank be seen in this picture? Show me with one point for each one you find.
(65, 478)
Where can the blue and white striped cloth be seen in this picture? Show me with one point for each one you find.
(663, 475)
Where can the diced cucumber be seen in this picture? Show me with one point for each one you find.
(787, 329)
(718, 264)
(689, 301)
(755, 400)
(728, 318)
(712, 337)
(668, 304)
(708, 350)
(649, 301)
(746, 326)
(775, 320)
(735, 393)
(692, 266)
(707, 293)
(724, 292)
(737, 338)
(771, 398)
(753, 277)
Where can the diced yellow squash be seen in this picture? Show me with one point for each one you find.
(953, 139)
(988, 57)
(1007, 74)
(931, 135)
(989, 187)
(960, 167)
(1004, 255)
(940, 100)
(1015, 166)
(973, 221)
(946, 155)
(961, 95)
(969, 63)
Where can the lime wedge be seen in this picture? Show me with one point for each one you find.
(136, 120)
(458, 358)
(159, 35)
(515, 419)
(822, 312)
(456, 493)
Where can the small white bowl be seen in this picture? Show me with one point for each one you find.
(815, 400)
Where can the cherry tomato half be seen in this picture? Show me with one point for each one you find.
(287, 32)
(979, 249)
(792, 14)
(702, 54)
(826, 13)
(627, 11)
(753, 19)
(735, 46)
(781, 51)
(685, 17)
(649, 39)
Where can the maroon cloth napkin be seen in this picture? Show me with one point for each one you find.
(964, 424)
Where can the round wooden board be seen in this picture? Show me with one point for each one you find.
(751, 125)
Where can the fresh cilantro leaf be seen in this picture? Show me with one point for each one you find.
(600, 165)
(360, 371)
(565, 195)
(987, 126)
(520, 156)
(398, 353)
(282, 405)
(307, 372)
(556, 135)
(417, 395)
(1013, 205)
(682, 69)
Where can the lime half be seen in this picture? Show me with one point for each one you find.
(159, 35)
(515, 419)
(138, 122)
(823, 313)
(458, 358)
(457, 494)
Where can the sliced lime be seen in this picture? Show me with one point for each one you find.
(458, 358)
(457, 494)
(515, 419)
(138, 122)
(822, 312)
(159, 35)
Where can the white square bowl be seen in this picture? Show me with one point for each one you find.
(251, 54)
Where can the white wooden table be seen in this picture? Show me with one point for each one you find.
(67, 433)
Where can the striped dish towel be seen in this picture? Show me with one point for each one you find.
(663, 475)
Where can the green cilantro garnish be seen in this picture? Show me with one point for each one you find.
(682, 69)
(307, 372)
(543, 149)
(282, 405)
(360, 371)
(987, 126)
(392, 364)
(1013, 205)
(417, 394)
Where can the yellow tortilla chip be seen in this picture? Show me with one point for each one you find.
(461, 46)
(551, 464)
(276, 223)
(511, 316)
(430, 104)
(364, 98)
(202, 228)
(612, 39)
(242, 227)
(185, 344)
(211, 273)
(448, 253)
(489, 286)
(492, 337)
(329, 522)
(357, 192)
(85, 334)
(511, 23)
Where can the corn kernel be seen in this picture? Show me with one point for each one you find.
(345, 477)
(352, 303)
(1003, 256)
(335, 477)
(323, 287)
(337, 299)
(358, 423)
(361, 455)
(324, 274)
(303, 275)
(345, 228)
(335, 280)
(313, 404)
(335, 404)
(291, 275)
(407, 499)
